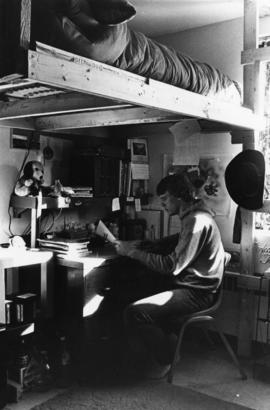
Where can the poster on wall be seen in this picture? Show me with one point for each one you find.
(209, 176)
(214, 190)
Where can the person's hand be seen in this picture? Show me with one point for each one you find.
(124, 247)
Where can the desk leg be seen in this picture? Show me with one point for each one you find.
(2, 296)
(46, 287)
(33, 227)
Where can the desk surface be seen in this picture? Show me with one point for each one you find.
(104, 255)
(16, 257)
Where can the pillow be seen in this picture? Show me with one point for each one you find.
(99, 44)
(106, 12)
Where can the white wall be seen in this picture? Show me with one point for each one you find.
(217, 44)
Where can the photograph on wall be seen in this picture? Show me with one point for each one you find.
(139, 150)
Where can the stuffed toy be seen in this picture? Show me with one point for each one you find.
(31, 180)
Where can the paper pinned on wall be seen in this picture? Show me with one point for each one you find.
(104, 232)
(186, 142)
(140, 171)
(115, 204)
(184, 129)
(138, 207)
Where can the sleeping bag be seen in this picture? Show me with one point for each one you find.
(98, 29)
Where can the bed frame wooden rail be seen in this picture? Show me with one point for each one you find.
(46, 89)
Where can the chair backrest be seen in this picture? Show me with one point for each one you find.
(217, 298)
(219, 292)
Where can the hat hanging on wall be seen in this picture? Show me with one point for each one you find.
(244, 179)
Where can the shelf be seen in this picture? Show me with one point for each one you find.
(17, 330)
(32, 202)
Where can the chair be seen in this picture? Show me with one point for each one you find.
(200, 317)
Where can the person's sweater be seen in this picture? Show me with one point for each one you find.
(198, 257)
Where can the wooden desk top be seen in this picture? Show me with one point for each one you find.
(16, 257)
(104, 255)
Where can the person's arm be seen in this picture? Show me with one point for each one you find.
(190, 242)
(152, 260)
(162, 246)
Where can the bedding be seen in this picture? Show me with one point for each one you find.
(98, 29)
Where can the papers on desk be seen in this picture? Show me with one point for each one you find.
(104, 232)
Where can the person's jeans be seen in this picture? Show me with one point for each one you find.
(147, 302)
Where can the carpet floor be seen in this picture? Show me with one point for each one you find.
(147, 395)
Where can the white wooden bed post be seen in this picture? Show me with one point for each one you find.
(253, 98)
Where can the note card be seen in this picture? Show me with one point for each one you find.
(115, 204)
(140, 171)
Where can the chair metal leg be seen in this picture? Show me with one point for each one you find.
(209, 338)
(232, 354)
(176, 355)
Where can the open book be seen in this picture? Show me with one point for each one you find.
(104, 232)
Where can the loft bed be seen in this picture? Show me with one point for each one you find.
(47, 91)
(45, 88)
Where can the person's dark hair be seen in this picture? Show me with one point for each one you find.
(177, 185)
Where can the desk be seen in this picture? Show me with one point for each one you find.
(79, 278)
(15, 258)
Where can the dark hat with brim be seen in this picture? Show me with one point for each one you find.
(244, 178)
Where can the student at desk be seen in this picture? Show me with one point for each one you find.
(195, 256)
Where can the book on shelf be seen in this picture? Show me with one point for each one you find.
(125, 178)
(80, 191)
(82, 194)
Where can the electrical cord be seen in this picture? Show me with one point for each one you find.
(16, 180)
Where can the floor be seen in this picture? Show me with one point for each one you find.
(202, 368)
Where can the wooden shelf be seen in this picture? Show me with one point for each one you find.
(31, 202)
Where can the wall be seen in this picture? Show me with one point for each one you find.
(217, 44)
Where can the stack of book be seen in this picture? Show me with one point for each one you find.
(66, 247)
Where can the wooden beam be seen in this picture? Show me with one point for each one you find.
(25, 26)
(119, 116)
(56, 104)
(258, 54)
(25, 124)
(251, 99)
(96, 78)
(244, 137)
